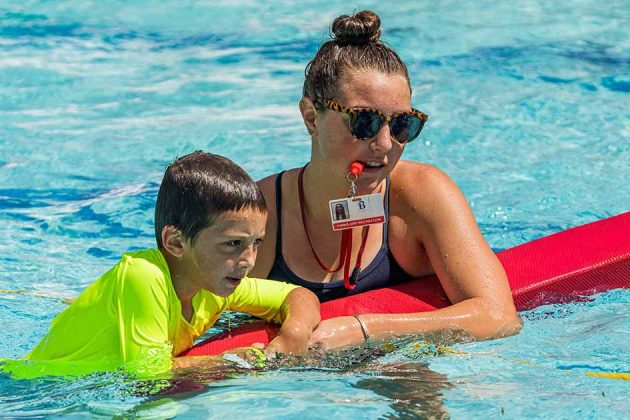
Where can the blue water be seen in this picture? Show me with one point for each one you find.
(529, 105)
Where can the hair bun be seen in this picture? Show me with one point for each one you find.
(361, 28)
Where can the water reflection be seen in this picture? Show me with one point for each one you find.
(415, 390)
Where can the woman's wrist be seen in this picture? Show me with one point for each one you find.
(364, 329)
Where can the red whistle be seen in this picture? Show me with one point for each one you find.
(356, 168)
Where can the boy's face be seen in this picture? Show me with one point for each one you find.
(225, 251)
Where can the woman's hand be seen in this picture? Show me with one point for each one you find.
(343, 331)
(246, 357)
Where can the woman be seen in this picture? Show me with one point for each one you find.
(356, 106)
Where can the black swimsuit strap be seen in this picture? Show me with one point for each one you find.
(279, 214)
(386, 209)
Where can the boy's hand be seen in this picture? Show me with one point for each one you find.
(300, 316)
(292, 339)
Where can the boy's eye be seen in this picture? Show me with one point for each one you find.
(236, 242)
(258, 241)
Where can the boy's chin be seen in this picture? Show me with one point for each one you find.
(226, 287)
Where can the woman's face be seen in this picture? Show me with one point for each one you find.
(336, 147)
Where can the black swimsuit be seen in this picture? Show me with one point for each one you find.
(381, 272)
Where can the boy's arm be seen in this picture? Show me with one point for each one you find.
(300, 316)
(296, 308)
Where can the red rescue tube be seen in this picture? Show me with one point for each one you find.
(558, 268)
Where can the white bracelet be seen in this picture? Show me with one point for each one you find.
(366, 336)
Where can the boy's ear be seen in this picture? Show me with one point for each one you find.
(173, 241)
(308, 111)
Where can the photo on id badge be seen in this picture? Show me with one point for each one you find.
(356, 211)
(340, 210)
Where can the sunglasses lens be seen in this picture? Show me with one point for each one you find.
(406, 127)
(365, 124)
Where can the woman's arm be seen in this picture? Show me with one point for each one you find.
(470, 316)
(211, 362)
(470, 273)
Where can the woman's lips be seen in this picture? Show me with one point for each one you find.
(373, 163)
(372, 169)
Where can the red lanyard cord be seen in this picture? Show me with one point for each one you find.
(345, 249)
(343, 237)
(350, 281)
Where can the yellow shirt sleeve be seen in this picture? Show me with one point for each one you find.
(261, 298)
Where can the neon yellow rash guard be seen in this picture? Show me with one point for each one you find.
(131, 318)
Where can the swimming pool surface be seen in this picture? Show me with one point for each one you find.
(529, 113)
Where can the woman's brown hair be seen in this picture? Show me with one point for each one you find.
(355, 45)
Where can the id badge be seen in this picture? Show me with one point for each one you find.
(346, 213)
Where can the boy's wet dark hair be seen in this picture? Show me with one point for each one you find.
(199, 187)
(355, 46)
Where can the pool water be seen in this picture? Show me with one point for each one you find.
(529, 114)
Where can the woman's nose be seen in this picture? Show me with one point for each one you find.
(382, 142)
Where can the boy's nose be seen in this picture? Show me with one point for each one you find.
(248, 258)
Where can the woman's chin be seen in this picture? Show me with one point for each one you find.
(370, 181)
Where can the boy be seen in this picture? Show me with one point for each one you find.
(209, 220)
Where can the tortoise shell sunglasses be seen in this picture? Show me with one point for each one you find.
(365, 123)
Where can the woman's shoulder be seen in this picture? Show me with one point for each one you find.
(268, 184)
(420, 180)
(425, 194)
(271, 179)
